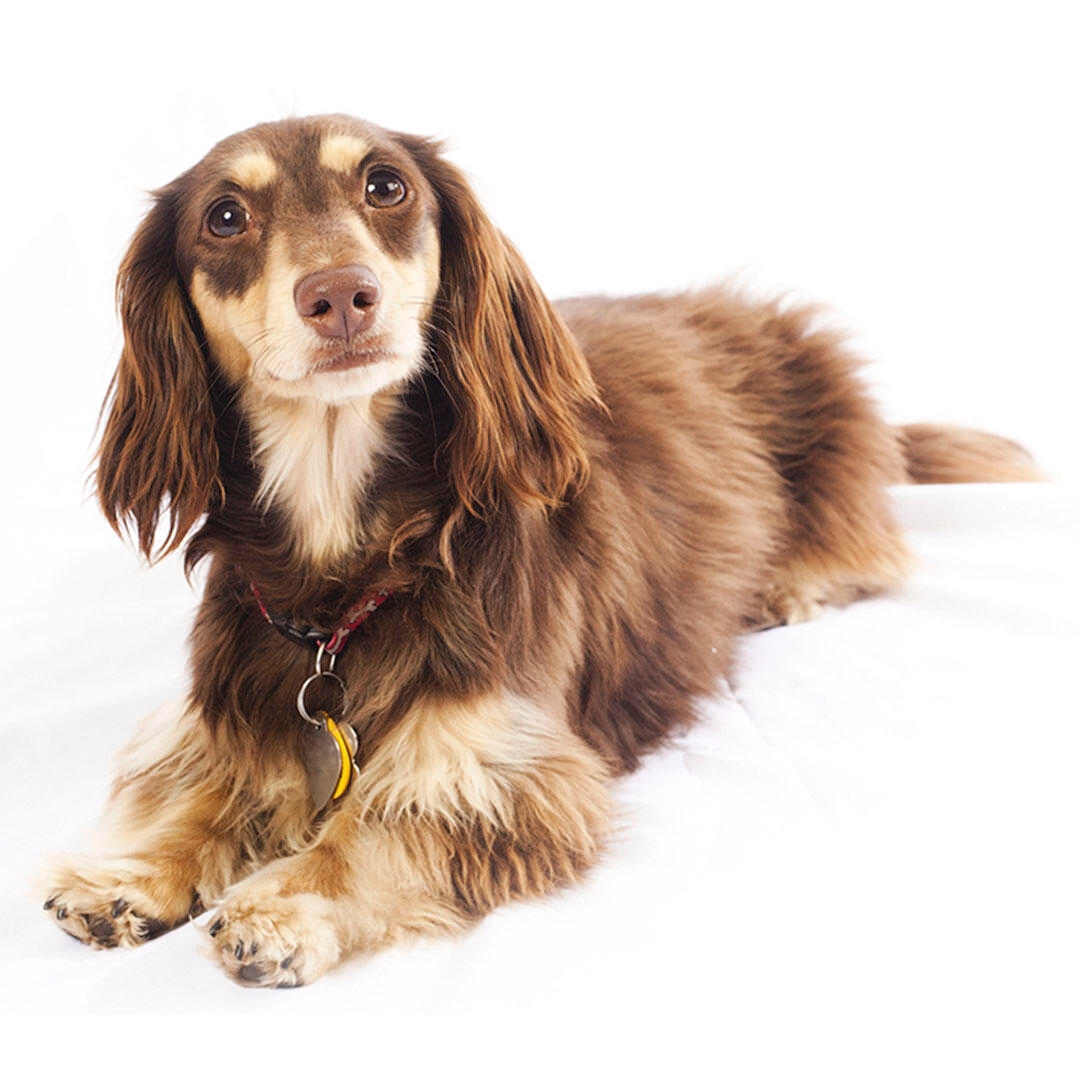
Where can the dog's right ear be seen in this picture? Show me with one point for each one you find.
(158, 456)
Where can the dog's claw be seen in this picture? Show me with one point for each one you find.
(216, 928)
(48, 905)
(61, 913)
(238, 952)
(119, 908)
(153, 928)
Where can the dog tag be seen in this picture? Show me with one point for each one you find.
(328, 749)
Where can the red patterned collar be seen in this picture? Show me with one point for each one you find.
(332, 641)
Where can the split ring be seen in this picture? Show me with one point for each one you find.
(303, 689)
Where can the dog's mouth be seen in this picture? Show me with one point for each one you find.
(352, 357)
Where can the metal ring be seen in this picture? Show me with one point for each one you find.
(318, 661)
(303, 689)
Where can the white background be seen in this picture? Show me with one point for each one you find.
(913, 166)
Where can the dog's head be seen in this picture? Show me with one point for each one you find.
(327, 259)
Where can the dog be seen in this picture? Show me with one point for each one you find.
(471, 554)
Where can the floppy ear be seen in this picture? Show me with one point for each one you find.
(516, 378)
(158, 455)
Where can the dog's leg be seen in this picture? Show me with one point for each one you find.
(462, 807)
(837, 553)
(170, 841)
(837, 459)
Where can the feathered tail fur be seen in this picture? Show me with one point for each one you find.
(943, 454)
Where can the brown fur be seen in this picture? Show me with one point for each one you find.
(942, 454)
(578, 508)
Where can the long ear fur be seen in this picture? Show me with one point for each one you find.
(158, 452)
(516, 378)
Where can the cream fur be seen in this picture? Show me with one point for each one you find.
(254, 170)
(342, 153)
(453, 760)
(316, 459)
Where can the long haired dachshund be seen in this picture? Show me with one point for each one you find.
(470, 554)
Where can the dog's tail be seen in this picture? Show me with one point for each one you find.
(942, 454)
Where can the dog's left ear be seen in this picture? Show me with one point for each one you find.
(517, 381)
(158, 456)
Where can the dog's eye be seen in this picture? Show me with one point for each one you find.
(384, 188)
(227, 218)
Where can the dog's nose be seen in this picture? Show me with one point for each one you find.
(339, 302)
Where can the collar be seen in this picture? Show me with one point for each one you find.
(331, 641)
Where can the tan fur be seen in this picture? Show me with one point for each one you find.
(316, 440)
(164, 859)
(945, 454)
(576, 508)
(254, 170)
(458, 761)
(341, 152)
(464, 807)
(261, 341)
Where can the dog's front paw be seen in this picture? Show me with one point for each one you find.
(114, 902)
(270, 940)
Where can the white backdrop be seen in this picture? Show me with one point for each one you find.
(915, 167)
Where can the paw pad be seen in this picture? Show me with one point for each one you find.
(237, 954)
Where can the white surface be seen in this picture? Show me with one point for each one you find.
(873, 833)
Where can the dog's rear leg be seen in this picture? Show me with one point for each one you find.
(843, 543)
(837, 459)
